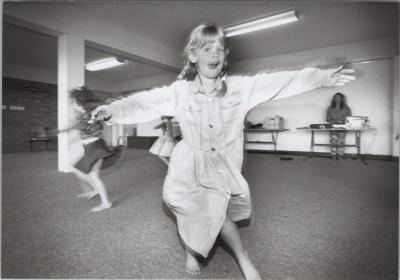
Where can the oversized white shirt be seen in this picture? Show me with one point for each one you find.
(204, 182)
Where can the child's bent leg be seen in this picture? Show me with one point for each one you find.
(230, 234)
(86, 182)
(192, 265)
(94, 175)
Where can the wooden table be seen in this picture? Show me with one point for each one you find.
(357, 144)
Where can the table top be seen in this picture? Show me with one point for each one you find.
(337, 129)
(265, 129)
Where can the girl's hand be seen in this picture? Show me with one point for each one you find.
(338, 77)
(102, 113)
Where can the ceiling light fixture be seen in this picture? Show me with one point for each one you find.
(262, 23)
(104, 63)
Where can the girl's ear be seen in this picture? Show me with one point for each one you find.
(192, 57)
(226, 52)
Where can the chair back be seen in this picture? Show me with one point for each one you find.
(38, 131)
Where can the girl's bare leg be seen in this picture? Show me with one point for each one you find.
(230, 234)
(192, 264)
(101, 189)
(89, 190)
(164, 160)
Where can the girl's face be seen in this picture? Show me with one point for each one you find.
(78, 108)
(209, 59)
(338, 98)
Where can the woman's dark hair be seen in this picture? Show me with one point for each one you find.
(86, 98)
(342, 100)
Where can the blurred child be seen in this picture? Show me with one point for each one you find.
(97, 154)
(164, 145)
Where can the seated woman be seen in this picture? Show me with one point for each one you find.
(336, 114)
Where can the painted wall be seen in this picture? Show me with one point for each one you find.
(146, 82)
(370, 95)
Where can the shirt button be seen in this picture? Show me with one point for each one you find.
(212, 149)
(219, 170)
(210, 125)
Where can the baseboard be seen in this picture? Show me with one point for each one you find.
(320, 154)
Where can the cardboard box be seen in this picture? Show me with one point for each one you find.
(276, 122)
(357, 122)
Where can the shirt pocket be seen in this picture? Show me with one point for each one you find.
(230, 108)
(192, 112)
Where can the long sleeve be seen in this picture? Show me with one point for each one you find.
(348, 111)
(329, 117)
(284, 84)
(145, 106)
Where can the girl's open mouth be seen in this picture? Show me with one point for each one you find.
(213, 65)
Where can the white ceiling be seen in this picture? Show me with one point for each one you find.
(169, 22)
(25, 47)
(321, 24)
(42, 53)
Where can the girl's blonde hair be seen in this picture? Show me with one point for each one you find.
(201, 35)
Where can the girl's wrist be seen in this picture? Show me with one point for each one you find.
(327, 79)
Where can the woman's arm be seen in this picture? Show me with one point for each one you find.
(162, 125)
(348, 112)
(140, 107)
(285, 84)
(329, 117)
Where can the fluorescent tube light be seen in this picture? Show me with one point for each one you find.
(104, 63)
(262, 23)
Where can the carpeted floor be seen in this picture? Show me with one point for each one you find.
(313, 220)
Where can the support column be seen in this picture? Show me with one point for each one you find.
(71, 74)
(1, 87)
(395, 107)
(117, 131)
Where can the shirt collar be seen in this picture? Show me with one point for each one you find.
(197, 87)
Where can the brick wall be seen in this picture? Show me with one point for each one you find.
(40, 102)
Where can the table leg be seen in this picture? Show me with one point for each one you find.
(311, 146)
(274, 140)
(312, 141)
(358, 144)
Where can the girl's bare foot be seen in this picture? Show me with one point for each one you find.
(248, 269)
(192, 265)
(101, 207)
